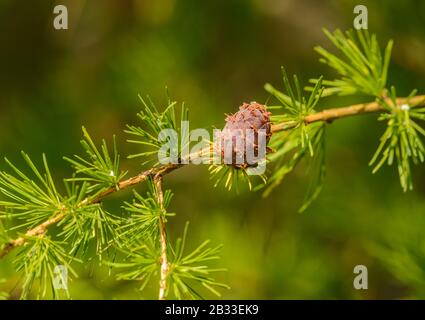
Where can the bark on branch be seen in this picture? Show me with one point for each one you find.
(162, 239)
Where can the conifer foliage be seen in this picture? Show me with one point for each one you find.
(45, 224)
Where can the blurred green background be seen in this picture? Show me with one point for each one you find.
(214, 55)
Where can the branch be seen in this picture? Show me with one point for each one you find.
(37, 231)
(162, 240)
(59, 215)
(327, 115)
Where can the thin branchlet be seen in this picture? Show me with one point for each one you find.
(162, 238)
(329, 115)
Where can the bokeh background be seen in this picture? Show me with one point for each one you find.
(214, 55)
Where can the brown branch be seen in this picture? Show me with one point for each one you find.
(37, 231)
(327, 115)
(132, 181)
(60, 214)
(162, 239)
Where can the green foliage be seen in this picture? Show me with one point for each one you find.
(144, 214)
(191, 268)
(30, 201)
(317, 167)
(100, 169)
(89, 225)
(134, 240)
(400, 144)
(364, 70)
(230, 177)
(186, 272)
(360, 63)
(289, 154)
(85, 224)
(154, 122)
(297, 106)
(37, 261)
(138, 242)
(140, 263)
(301, 142)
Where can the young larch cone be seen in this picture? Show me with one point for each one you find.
(242, 131)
